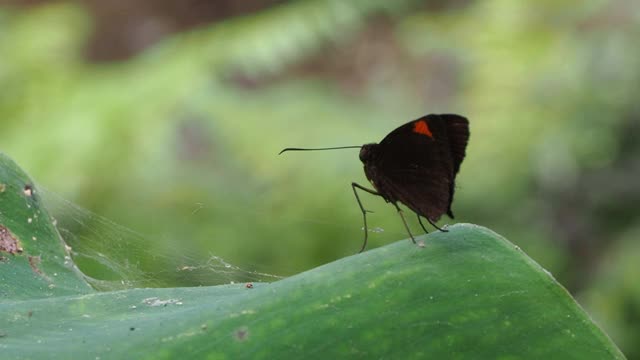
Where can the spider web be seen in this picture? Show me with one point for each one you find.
(114, 257)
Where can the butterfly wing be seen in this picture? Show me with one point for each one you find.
(458, 135)
(416, 163)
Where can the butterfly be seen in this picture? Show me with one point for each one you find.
(415, 165)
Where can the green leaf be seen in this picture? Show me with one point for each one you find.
(468, 293)
(34, 262)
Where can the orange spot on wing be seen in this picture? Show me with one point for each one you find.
(421, 127)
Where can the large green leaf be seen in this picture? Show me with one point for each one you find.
(468, 293)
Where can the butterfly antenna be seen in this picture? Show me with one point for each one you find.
(314, 149)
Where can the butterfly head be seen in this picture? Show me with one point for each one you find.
(368, 152)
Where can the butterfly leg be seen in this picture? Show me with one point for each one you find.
(430, 222)
(436, 226)
(401, 213)
(421, 224)
(364, 211)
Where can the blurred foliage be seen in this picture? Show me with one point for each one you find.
(180, 142)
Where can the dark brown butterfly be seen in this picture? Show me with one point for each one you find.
(416, 165)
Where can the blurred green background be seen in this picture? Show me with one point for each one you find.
(166, 117)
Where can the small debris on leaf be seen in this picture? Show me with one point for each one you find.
(154, 301)
(249, 285)
(28, 190)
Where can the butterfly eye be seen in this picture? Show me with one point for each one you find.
(366, 152)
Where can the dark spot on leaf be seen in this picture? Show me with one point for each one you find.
(30, 314)
(241, 334)
(8, 242)
(34, 261)
(132, 328)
